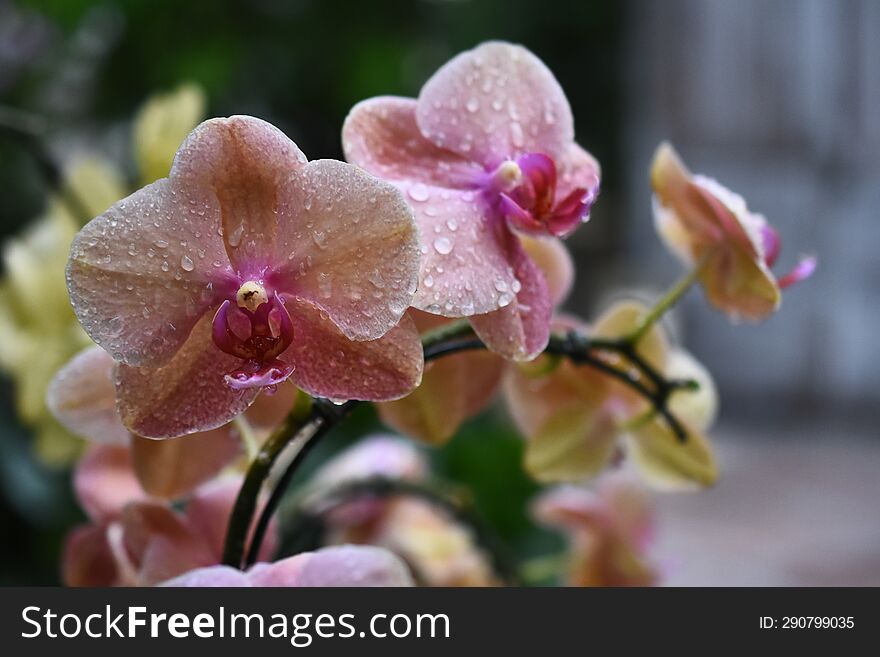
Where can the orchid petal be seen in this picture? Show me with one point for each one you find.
(381, 135)
(622, 318)
(86, 558)
(104, 481)
(349, 246)
(573, 445)
(327, 364)
(171, 468)
(495, 102)
(245, 163)
(186, 395)
(554, 261)
(140, 275)
(521, 330)
(802, 271)
(345, 565)
(669, 464)
(211, 576)
(82, 397)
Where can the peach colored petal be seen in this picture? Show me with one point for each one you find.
(495, 102)
(739, 285)
(267, 411)
(86, 558)
(104, 481)
(328, 364)
(696, 408)
(554, 261)
(140, 275)
(667, 463)
(211, 576)
(572, 445)
(381, 135)
(186, 395)
(82, 397)
(349, 246)
(246, 163)
(521, 329)
(172, 468)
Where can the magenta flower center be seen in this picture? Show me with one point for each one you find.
(524, 191)
(256, 328)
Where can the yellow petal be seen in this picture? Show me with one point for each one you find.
(574, 444)
(95, 183)
(740, 285)
(696, 408)
(161, 126)
(670, 464)
(622, 318)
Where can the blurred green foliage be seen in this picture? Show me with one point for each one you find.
(300, 64)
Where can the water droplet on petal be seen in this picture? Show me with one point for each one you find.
(186, 263)
(419, 192)
(472, 105)
(429, 281)
(443, 245)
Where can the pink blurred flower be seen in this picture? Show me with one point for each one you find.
(346, 565)
(247, 266)
(458, 387)
(439, 550)
(609, 531)
(132, 540)
(486, 153)
(576, 419)
(709, 226)
(82, 397)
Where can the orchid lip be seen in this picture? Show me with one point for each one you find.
(257, 332)
(524, 193)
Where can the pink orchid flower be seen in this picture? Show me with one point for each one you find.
(576, 418)
(345, 565)
(247, 266)
(82, 398)
(609, 531)
(709, 226)
(132, 540)
(486, 153)
(439, 550)
(458, 387)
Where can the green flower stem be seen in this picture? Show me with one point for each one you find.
(311, 419)
(666, 302)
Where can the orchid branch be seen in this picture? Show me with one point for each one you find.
(313, 418)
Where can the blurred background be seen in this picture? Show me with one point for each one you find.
(779, 100)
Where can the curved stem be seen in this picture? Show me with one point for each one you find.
(321, 416)
(665, 303)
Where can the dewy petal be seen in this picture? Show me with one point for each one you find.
(495, 102)
(669, 464)
(327, 364)
(577, 169)
(554, 261)
(466, 264)
(381, 135)
(520, 330)
(186, 395)
(573, 445)
(104, 481)
(387, 456)
(349, 245)
(246, 163)
(140, 275)
(344, 565)
(82, 397)
(171, 468)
